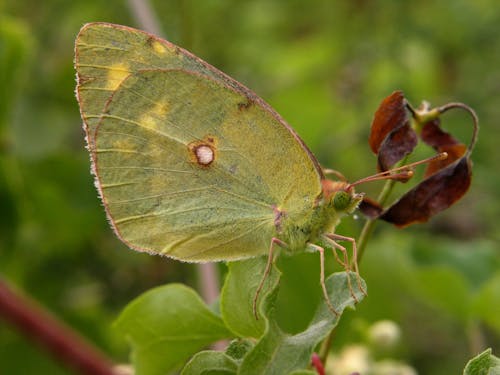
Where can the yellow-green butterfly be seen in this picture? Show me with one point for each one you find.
(193, 165)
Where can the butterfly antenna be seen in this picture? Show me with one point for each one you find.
(404, 171)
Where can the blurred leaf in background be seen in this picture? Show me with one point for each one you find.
(324, 66)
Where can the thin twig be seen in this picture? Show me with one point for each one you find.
(325, 347)
(37, 324)
(369, 226)
(145, 17)
(208, 276)
(471, 112)
(366, 233)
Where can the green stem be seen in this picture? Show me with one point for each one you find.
(475, 337)
(325, 347)
(366, 232)
(369, 226)
(148, 20)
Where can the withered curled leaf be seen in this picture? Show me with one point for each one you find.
(398, 143)
(445, 180)
(370, 208)
(441, 141)
(391, 136)
(390, 114)
(432, 195)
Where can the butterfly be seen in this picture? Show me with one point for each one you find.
(191, 164)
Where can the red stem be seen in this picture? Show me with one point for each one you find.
(52, 335)
(317, 364)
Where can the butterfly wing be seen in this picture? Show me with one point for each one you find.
(106, 54)
(188, 163)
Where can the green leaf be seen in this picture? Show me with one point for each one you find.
(167, 325)
(483, 364)
(278, 352)
(213, 362)
(238, 348)
(238, 294)
(210, 363)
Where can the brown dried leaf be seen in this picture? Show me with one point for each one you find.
(370, 208)
(397, 144)
(441, 141)
(434, 194)
(434, 136)
(391, 136)
(454, 152)
(390, 115)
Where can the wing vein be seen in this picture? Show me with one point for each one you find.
(146, 168)
(232, 239)
(104, 67)
(144, 127)
(161, 195)
(105, 47)
(151, 100)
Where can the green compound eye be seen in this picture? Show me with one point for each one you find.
(341, 200)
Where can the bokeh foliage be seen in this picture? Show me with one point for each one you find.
(325, 66)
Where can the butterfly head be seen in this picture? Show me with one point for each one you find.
(341, 196)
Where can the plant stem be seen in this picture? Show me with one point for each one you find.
(146, 18)
(369, 226)
(325, 347)
(37, 324)
(475, 337)
(366, 232)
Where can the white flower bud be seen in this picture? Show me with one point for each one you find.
(384, 334)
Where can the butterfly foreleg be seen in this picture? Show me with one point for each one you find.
(270, 259)
(322, 276)
(332, 239)
(334, 172)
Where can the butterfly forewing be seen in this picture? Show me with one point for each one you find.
(105, 54)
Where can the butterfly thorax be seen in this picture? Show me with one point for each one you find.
(299, 228)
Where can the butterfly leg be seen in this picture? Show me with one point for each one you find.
(332, 238)
(344, 264)
(270, 258)
(336, 173)
(322, 276)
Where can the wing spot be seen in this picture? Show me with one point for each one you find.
(246, 105)
(116, 74)
(159, 48)
(153, 119)
(203, 153)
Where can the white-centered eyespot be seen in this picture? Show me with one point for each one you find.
(204, 154)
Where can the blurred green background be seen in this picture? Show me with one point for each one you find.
(324, 66)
